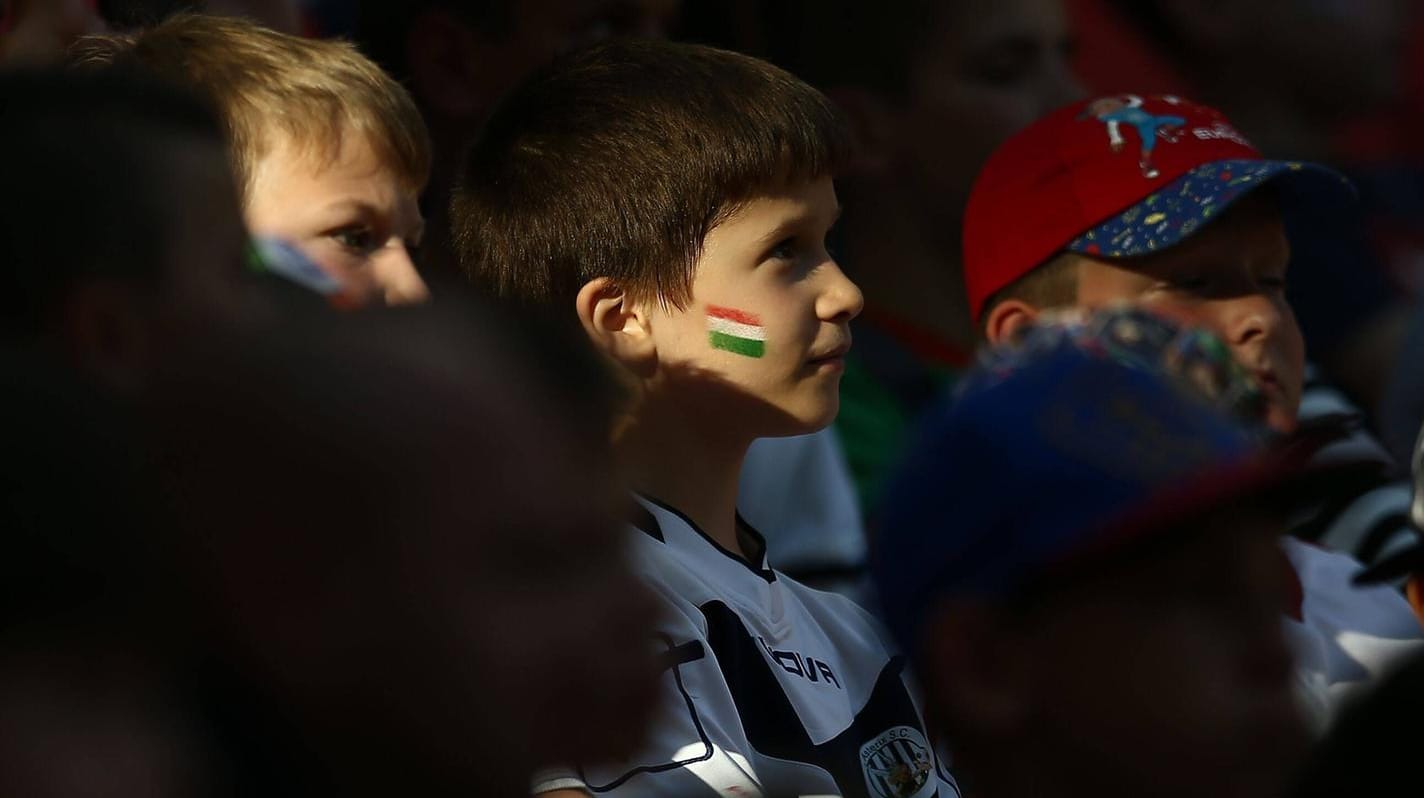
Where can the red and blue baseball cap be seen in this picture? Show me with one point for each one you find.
(1063, 448)
(1114, 177)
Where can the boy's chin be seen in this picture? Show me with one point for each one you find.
(804, 420)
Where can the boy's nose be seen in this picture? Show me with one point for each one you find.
(399, 281)
(841, 300)
(1248, 319)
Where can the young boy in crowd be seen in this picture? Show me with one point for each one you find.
(1080, 555)
(1079, 212)
(329, 153)
(674, 202)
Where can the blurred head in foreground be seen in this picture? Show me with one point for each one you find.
(1081, 554)
(412, 553)
(119, 226)
(87, 678)
(357, 555)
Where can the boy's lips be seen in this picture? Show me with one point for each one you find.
(1269, 383)
(834, 354)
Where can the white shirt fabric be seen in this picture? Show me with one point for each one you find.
(1348, 635)
(800, 491)
(773, 688)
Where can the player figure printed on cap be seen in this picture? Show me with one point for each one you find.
(1127, 108)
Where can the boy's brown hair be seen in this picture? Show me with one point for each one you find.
(263, 83)
(617, 162)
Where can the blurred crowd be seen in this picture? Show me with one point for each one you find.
(711, 397)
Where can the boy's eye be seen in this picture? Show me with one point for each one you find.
(1190, 282)
(784, 250)
(356, 239)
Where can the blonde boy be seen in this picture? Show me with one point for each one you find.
(329, 153)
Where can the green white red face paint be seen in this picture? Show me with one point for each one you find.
(735, 331)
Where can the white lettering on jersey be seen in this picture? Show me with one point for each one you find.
(805, 667)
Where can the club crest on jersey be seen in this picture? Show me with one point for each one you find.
(897, 764)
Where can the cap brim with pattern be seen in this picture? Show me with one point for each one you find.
(1181, 208)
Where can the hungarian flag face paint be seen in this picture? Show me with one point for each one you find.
(735, 331)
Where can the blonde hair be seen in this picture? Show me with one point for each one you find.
(261, 81)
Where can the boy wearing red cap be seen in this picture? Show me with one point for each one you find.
(1060, 217)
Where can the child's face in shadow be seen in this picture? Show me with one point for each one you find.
(351, 213)
(769, 315)
(990, 69)
(1229, 278)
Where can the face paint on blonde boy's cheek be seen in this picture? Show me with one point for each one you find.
(735, 331)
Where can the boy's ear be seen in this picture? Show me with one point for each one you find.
(872, 128)
(441, 56)
(1006, 318)
(976, 669)
(617, 326)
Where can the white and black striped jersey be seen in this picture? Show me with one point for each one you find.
(771, 688)
(1344, 635)
(1367, 517)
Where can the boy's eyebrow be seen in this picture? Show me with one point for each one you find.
(361, 207)
(368, 210)
(787, 225)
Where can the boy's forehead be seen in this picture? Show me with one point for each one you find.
(349, 166)
(315, 151)
(786, 205)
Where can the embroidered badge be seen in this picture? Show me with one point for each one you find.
(897, 764)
